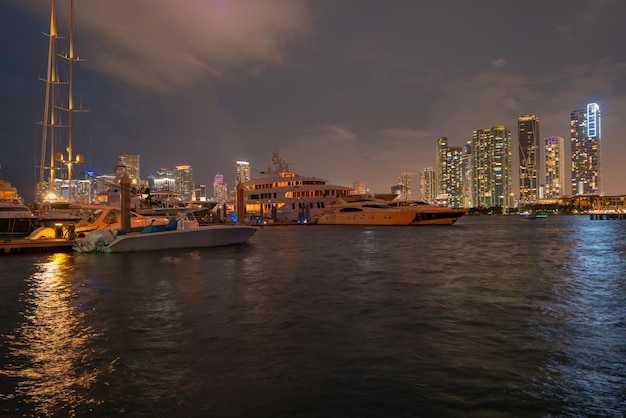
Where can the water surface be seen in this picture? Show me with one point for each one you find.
(492, 316)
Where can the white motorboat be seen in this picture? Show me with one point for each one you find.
(185, 234)
(426, 214)
(98, 217)
(359, 210)
(15, 217)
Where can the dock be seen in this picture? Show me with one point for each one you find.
(22, 246)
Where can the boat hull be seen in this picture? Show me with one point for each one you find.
(436, 218)
(365, 218)
(202, 237)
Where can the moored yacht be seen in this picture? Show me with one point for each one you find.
(427, 214)
(51, 212)
(360, 210)
(15, 217)
(279, 195)
(98, 217)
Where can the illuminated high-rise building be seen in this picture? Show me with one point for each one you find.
(585, 134)
(164, 180)
(404, 186)
(243, 172)
(358, 187)
(554, 168)
(490, 167)
(428, 184)
(131, 162)
(467, 172)
(184, 181)
(529, 148)
(449, 173)
(220, 190)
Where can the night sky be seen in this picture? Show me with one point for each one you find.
(346, 89)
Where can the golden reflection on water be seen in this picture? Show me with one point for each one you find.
(49, 351)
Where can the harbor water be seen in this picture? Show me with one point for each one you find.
(494, 316)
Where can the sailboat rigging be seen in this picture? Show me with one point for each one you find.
(51, 148)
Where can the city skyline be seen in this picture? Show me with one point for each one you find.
(348, 91)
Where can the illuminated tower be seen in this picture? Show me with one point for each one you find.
(467, 173)
(404, 186)
(585, 135)
(449, 173)
(184, 181)
(428, 185)
(132, 164)
(490, 167)
(243, 172)
(529, 148)
(555, 167)
(220, 190)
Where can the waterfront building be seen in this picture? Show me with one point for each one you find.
(490, 169)
(529, 149)
(554, 167)
(585, 134)
(449, 173)
(428, 184)
(184, 181)
(242, 174)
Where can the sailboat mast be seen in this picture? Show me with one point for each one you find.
(48, 117)
(70, 106)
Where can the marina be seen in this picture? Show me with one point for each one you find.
(149, 271)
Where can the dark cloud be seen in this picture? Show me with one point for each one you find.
(347, 90)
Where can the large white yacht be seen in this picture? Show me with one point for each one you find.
(279, 195)
(360, 210)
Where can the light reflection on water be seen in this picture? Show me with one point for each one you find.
(50, 354)
(589, 341)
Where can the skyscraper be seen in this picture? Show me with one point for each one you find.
(404, 186)
(585, 135)
(184, 181)
(428, 185)
(220, 192)
(555, 167)
(529, 148)
(132, 164)
(243, 172)
(490, 167)
(466, 165)
(449, 173)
